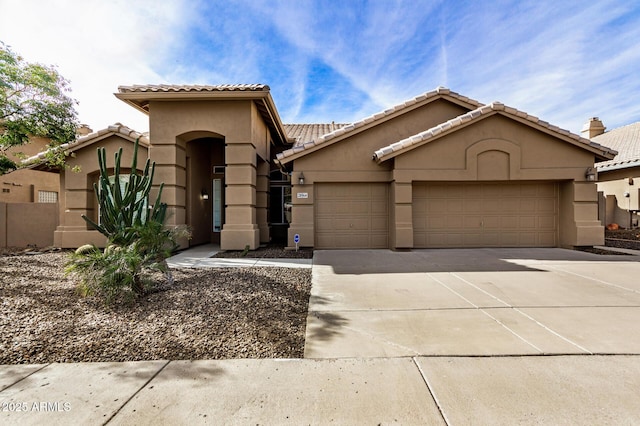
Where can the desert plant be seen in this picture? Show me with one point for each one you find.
(125, 272)
(138, 242)
(123, 210)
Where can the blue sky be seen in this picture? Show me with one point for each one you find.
(563, 61)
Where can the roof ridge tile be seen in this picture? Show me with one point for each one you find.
(475, 114)
(116, 128)
(194, 87)
(439, 91)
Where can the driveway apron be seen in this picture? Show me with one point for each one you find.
(480, 302)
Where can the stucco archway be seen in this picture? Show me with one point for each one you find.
(204, 187)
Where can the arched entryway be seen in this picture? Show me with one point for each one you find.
(205, 200)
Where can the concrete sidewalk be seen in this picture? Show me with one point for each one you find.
(531, 336)
(201, 257)
(408, 391)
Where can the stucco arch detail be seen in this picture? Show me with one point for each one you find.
(493, 159)
(197, 134)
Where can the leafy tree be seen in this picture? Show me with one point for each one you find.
(34, 101)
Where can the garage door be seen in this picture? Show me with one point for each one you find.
(351, 215)
(485, 214)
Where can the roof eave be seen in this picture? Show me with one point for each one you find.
(141, 100)
(618, 166)
(347, 132)
(601, 153)
(274, 117)
(37, 162)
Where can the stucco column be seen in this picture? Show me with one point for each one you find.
(171, 165)
(579, 224)
(302, 213)
(262, 200)
(240, 228)
(76, 199)
(401, 215)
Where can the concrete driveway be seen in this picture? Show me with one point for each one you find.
(497, 336)
(477, 302)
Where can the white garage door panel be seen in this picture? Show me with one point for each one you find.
(501, 214)
(351, 215)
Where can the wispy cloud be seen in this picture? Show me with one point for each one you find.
(329, 60)
(552, 60)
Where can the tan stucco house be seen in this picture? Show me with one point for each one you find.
(77, 186)
(439, 170)
(442, 170)
(618, 178)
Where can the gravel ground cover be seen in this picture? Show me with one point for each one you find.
(271, 251)
(206, 314)
(623, 238)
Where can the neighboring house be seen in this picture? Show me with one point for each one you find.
(440, 170)
(619, 178)
(27, 185)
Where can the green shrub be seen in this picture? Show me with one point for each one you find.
(125, 272)
(138, 242)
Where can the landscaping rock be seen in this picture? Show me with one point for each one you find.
(206, 314)
(268, 252)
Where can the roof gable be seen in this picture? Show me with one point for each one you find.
(139, 97)
(116, 129)
(407, 144)
(376, 119)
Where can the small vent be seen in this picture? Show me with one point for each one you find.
(218, 170)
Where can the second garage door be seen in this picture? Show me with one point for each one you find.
(351, 215)
(503, 214)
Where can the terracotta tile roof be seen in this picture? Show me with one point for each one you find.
(625, 140)
(88, 139)
(420, 138)
(378, 117)
(140, 96)
(303, 133)
(193, 88)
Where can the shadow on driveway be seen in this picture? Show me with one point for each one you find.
(453, 260)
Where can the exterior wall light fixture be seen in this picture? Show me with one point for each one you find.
(204, 194)
(301, 178)
(590, 174)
